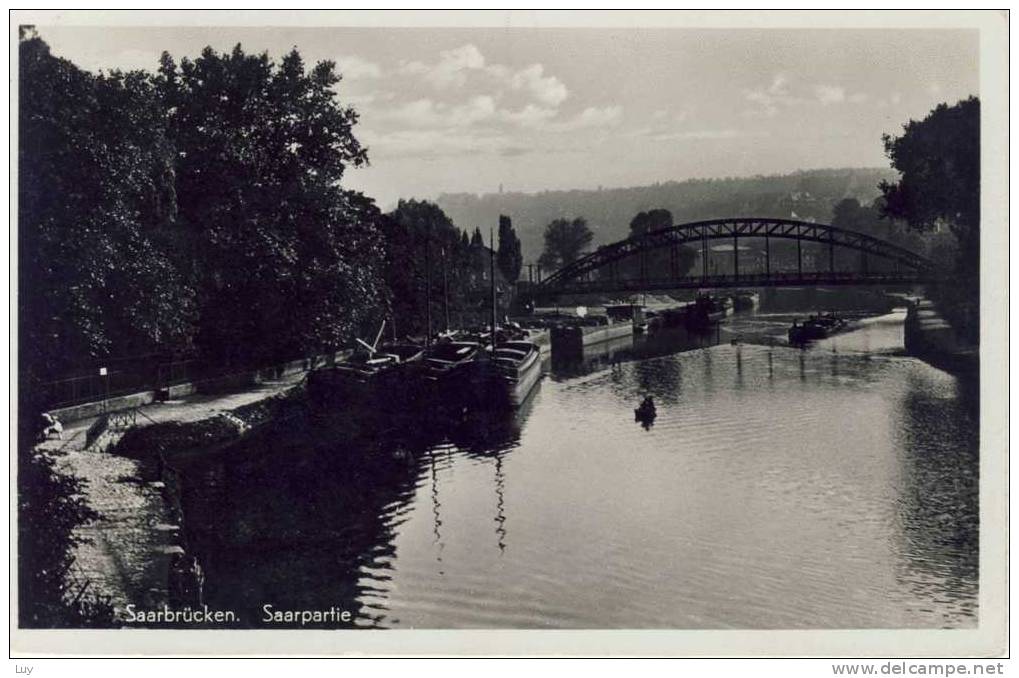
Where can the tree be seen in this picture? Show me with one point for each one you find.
(656, 263)
(938, 159)
(285, 261)
(476, 239)
(565, 239)
(509, 257)
(653, 220)
(96, 218)
(412, 229)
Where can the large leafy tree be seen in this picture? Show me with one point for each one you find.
(284, 259)
(429, 259)
(651, 220)
(96, 218)
(656, 263)
(510, 258)
(565, 240)
(938, 159)
(95, 225)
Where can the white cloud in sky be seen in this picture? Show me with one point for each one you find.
(783, 93)
(451, 69)
(530, 115)
(479, 100)
(769, 99)
(426, 113)
(549, 90)
(596, 117)
(353, 67)
(830, 94)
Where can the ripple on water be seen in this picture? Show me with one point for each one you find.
(776, 488)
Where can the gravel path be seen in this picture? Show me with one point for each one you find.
(128, 551)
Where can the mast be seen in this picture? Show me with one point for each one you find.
(491, 242)
(445, 291)
(428, 285)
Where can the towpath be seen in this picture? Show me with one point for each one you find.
(117, 556)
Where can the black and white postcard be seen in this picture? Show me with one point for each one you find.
(684, 324)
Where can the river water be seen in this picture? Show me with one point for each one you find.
(778, 488)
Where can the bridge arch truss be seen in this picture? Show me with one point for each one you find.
(906, 267)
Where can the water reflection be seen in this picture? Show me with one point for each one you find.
(938, 516)
(829, 487)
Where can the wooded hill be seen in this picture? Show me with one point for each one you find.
(805, 195)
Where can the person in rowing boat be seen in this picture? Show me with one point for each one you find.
(646, 409)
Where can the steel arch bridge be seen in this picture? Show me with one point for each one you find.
(597, 271)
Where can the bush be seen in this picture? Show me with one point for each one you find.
(50, 507)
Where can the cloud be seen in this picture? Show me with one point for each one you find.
(353, 67)
(359, 99)
(426, 113)
(466, 66)
(770, 98)
(699, 134)
(458, 103)
(529, 116)
(432, 143)
(780, 94)
(548, 90)
(451, 69)
(596, 117)
(830, 94)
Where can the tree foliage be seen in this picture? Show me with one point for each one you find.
(565, 240)
(285, 261)
(510, 259)
(651, 220)
(423, 245)
(938, 159)
(200, 207)
(656, 263)
(96, 217)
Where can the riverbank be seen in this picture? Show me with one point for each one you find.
(135, 552)
(928, 336)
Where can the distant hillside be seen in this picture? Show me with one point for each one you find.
(808, 195)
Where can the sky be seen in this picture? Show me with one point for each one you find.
(469, 110)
